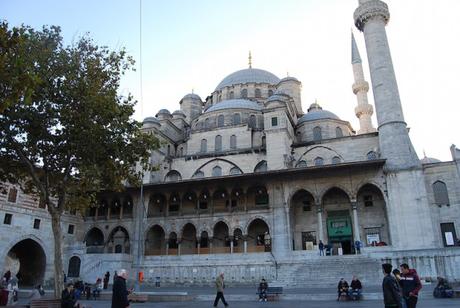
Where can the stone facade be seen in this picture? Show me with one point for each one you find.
(247, 183)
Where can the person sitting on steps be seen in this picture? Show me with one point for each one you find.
(263, 286)
(342, 288)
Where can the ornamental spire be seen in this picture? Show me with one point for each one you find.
(355, 57)
(250, 59)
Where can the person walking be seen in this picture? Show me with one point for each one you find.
(106, 280)
(120, 293)
(410, 284)
(391, 290)
(321, 248)
(220, 290)
(358, 247)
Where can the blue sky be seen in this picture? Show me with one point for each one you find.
(195, 44)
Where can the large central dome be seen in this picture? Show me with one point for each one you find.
(246, 76)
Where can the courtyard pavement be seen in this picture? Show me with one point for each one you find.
(426, 303)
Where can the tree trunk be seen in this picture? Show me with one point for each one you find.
(58, 267)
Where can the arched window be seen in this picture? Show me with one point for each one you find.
(173, 176)
(198, 175)
(261, 166)
(207, 123)
(244, 93)
(338, 132)
(441, 196)
(257, 93)
(219, 98)
(270, 92)
(301, 164)
(181, 151)
(233, 142)
(216, 171)
(218, 143)
(236, 119)
(235, 170)
(220, 120)
(319, 161)
(74, 267)
(335, 160)
(252, 121)
(231, 95)
(317, 133)
(204, 146)
(371, 155)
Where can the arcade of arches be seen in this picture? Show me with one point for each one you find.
(339, 221)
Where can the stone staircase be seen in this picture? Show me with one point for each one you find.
(327, 271)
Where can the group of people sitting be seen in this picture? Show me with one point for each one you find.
(443, 289)
(352, 291)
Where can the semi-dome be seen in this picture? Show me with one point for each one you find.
(429, 160)
(235, 104)
(289, 78)
(315, 112)
(248, 75)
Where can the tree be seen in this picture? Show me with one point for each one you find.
(76, 136)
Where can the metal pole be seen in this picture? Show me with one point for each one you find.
(140, 216)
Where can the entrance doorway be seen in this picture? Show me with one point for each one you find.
(32, 262)
(339, 230)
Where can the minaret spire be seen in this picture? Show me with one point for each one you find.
(250, 59)
(360, 87)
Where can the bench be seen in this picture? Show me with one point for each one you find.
(45, 303)
(456, 292)
(138, 298)
(273, 293)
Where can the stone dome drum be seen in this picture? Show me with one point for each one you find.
(235, 104)
(249, 75)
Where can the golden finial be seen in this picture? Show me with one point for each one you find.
(250, 59)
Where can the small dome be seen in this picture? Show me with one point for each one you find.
(150, 120)
(277, 97)
(429, 160)
(289, 78)
(235, 104)
(249, 75)
(192, 96)
(163, 111)
(315, 112)
(178, 114)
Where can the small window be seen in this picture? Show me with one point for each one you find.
(301, 164)
(7, 219)
(252, 121)
(12, 195)
(368, 201)
(218, 143)
(207, 123)
(441, 196)
(371, 155)
(257, 93)
(220, 120)
(317, 135)
(244, 93)
(204, 145)
(231, 95)
(216, 171)
(36, 223)
(236, 119)
(235, 171)
(71, 229)
(319, 161)
(233, 141)
(274, 121)
(335, 160)
(169, 150)
(270, 93)
(198, 175)
(338, 132)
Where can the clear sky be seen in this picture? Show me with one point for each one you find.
(194, 44)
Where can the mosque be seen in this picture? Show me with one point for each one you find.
(249, 183)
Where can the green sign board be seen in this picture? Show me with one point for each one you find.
(339, 227)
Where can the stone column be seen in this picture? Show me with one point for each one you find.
(178, 246)
(231, 244)
(319, 213)
(198, 245)
(245, 244)
(167, 246)
(356, 228)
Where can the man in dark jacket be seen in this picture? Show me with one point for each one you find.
(355, 288)
(68, 299)
(342, 288)
(391, 291)
(410, 284)
(120, 293)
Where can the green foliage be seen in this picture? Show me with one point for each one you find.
(68, 134)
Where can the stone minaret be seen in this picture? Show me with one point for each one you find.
(371, 18)
(406, 192)
(360, 88)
